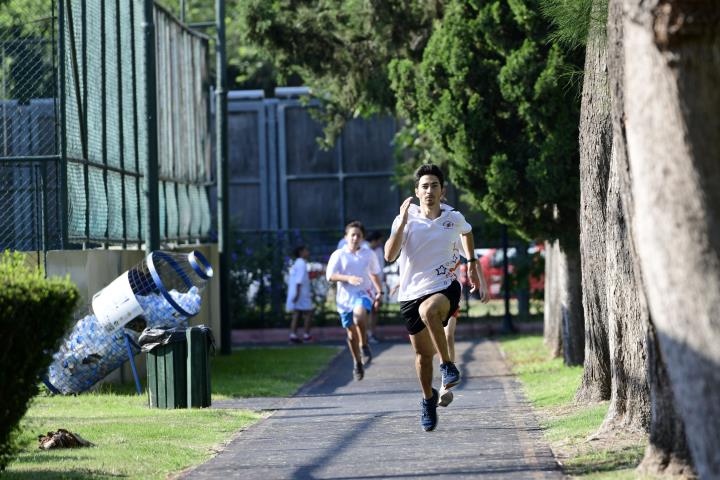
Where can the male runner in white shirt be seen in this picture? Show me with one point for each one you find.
(424, 239)
(356, 271)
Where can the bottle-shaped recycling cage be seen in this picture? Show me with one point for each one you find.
(163, 290)
(162, 285)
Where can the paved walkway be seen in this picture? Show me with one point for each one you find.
(390, 332)
(342, 429)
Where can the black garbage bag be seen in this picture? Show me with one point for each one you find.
(154, 337)
(207, 332)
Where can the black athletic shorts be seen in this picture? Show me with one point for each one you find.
(411, 309)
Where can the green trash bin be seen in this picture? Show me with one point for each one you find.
(178, 371)
(199, 344)
(167, 376)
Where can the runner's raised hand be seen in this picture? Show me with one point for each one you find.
(404, 210)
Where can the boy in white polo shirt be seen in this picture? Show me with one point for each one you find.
(356, 271)
(424, 238)
(299, 295)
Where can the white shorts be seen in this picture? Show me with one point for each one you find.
(303, 304)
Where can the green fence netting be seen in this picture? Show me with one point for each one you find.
(105, 71)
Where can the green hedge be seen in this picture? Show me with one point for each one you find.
(35, 312)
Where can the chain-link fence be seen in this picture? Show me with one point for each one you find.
(29, 202)
(29, 110)
(75, 135)
(261, 262)
(28, 83)
(109, 141)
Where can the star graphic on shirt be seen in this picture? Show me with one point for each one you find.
(455, 258)
(441, 270)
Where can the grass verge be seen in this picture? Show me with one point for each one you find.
(569, 428)
(135, 441)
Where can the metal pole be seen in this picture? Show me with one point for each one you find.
(223, 198)
(103, 96)
(63, 138)
(150, 186)
(121, 121)
(507, 324)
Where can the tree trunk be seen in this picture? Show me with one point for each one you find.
(570, 292)
(628, 320)
(552, 318)
(672, 63)
(667, 451)
(595, 147)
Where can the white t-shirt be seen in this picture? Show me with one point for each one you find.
(430, 252)
(361, 263)
(299, 276)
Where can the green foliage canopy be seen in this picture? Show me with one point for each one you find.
(483, 85)
(489, 89)
(341, 48)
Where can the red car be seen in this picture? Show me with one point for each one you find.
(491, 261)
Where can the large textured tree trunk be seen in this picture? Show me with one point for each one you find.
(595, 147)
(667, 451)
(672, 65)
(570, 291)
(627, 319)
(552, 317)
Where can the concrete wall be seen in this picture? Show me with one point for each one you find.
(92, 270)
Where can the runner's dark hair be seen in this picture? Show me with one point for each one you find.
(429, 169)
(355, 224)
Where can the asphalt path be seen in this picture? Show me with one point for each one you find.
(339, 428)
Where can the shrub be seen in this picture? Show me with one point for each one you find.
(35, 312)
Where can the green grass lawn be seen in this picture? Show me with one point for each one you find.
(268, 372)
(551, 387)
(135, 441)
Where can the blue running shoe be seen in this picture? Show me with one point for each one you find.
(358, 371)
(428, 417)
(367, 355)
(450, 375)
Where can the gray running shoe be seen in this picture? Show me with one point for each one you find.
(446, 397)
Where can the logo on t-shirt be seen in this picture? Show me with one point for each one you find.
(447, 224)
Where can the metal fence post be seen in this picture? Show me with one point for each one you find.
(507, 323)
(151, 183)
(223, 197)
(62, 140)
